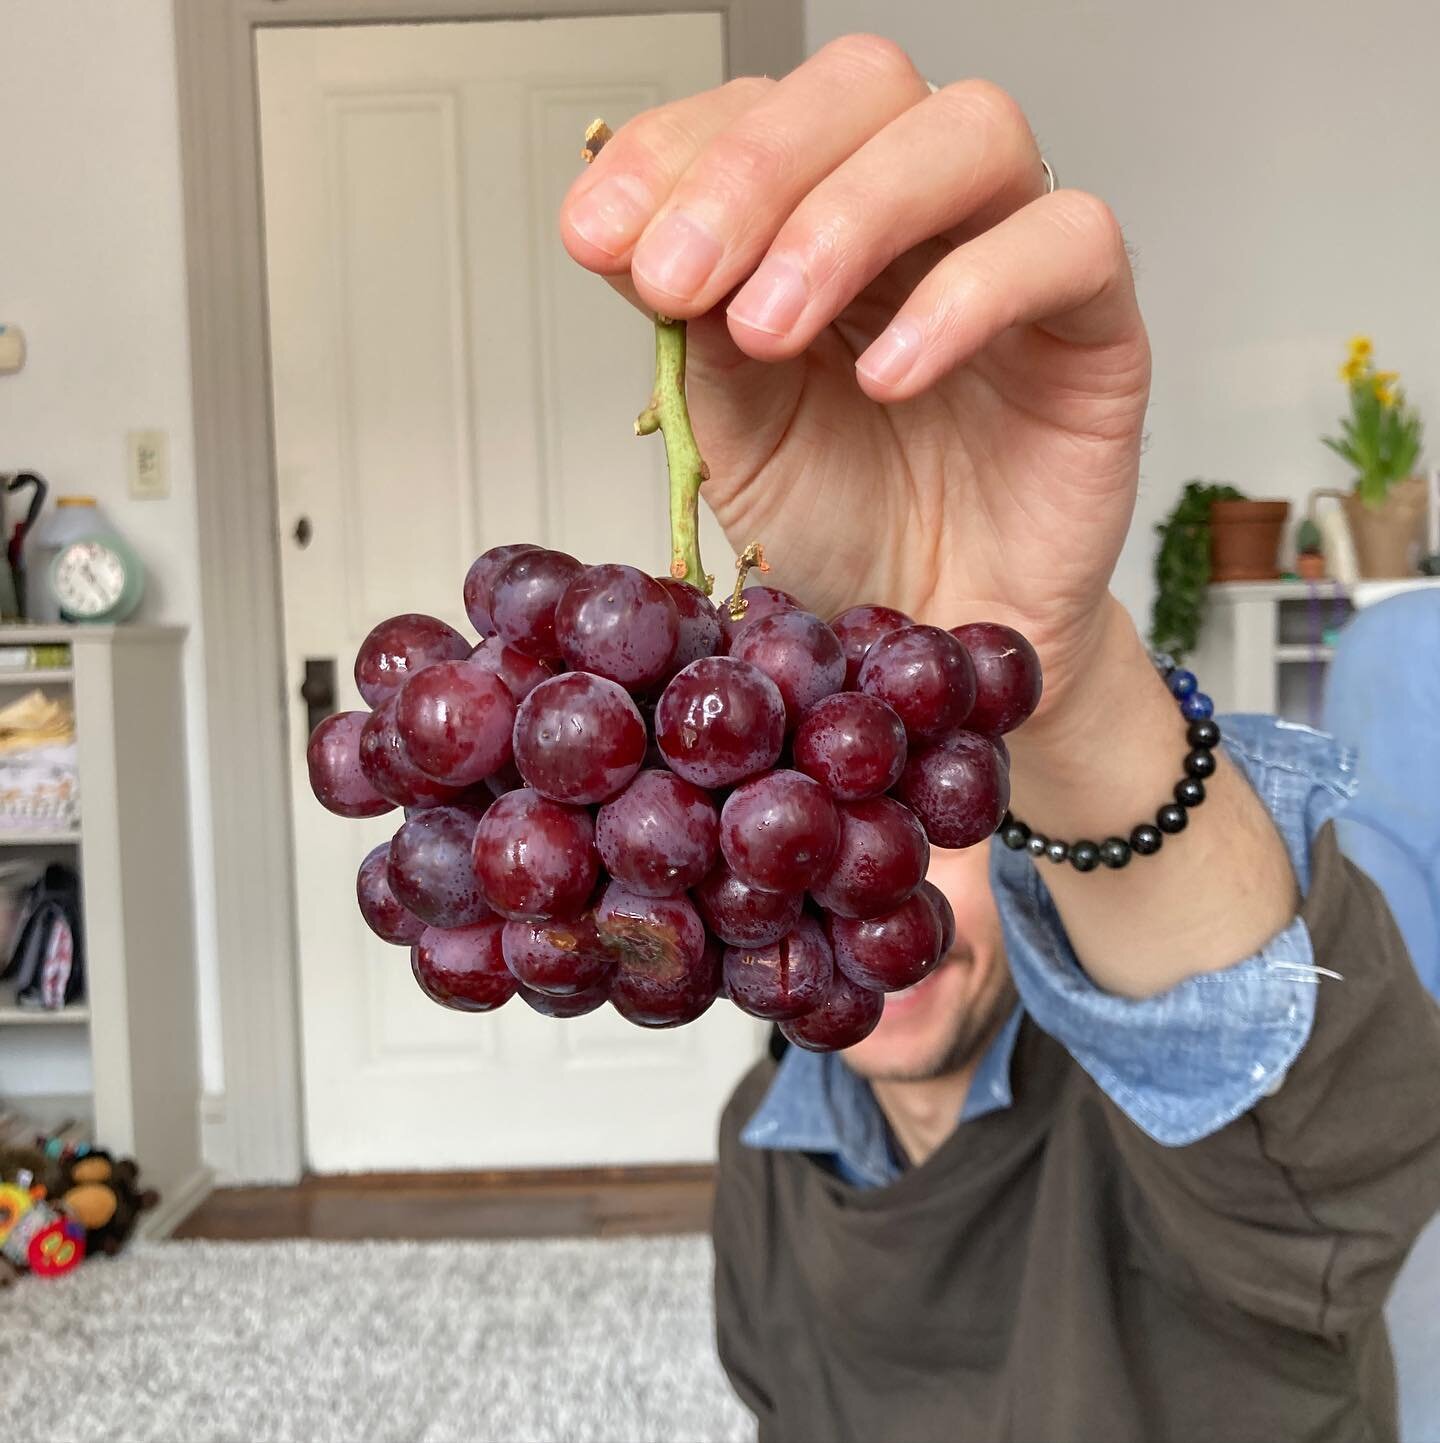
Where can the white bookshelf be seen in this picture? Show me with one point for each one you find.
(1265, 645)
(126, 1058)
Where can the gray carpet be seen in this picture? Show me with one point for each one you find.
(517, 1342)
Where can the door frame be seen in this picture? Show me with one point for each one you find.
(246, 689)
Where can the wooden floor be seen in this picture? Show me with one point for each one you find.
(596, 1203)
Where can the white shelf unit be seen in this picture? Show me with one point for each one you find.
(126, 1059)
(1265, 645)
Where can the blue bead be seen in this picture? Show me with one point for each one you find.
(1182, 684)
(1197, 707)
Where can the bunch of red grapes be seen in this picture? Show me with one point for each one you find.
(625, 794)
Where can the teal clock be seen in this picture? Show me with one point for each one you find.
(97, 580)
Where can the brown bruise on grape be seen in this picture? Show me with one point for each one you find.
(640, 946)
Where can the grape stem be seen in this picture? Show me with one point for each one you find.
(752, 556)
(668, 414)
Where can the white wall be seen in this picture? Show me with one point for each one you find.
(92, 266)
(1273, 166)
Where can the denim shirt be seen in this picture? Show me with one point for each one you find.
(1180, 1065)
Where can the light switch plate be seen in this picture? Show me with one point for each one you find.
(149, 465)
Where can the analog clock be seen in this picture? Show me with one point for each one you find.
(97, 580)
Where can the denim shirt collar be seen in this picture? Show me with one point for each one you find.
(816, 1104)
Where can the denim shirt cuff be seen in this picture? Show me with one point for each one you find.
(1183, 1064)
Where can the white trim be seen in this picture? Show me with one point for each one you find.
(175, 1206)
(239, 564)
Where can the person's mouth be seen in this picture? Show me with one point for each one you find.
(912, 999)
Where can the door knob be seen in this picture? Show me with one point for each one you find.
(317, 691)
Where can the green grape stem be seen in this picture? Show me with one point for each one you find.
(668, 414)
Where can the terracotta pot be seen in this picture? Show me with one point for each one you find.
(1245, 539)
(1310, 566)
(1385, 535)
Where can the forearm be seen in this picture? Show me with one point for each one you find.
(1101, 762)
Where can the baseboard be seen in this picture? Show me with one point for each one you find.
(177, 1205)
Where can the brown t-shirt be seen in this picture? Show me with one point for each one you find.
(1052, 1275)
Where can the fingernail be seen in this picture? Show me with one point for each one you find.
(772, 299)
(678, 255)
(889, 359)
(612, 213)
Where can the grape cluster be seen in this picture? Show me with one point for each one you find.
(627, 794)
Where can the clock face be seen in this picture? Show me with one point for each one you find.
(88, 579)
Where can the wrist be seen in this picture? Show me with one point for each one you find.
(1105, 752)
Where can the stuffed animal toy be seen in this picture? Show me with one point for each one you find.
(105, 1196)
(35, 1236)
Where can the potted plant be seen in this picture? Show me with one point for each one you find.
(1380, 438)
(1182, 568)
(1309, 557)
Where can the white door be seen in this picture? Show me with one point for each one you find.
(446, 379)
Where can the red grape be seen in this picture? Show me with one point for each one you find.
(336, 776)
(779, 832)
(431, 872)
(944, 912)
(383, 914)
(559, 957)
(925, 674)
(659, 936)
(396, 649)
(524, 595)
(660, 836)
(700, 632)
(619, 623)
(743, 916)
(852, 744)
(798, 652)
(388, 767)
(759, 601)
(959, 789)
(455, 721)
(481, 578)
(462, 967)
(534, 858)
(882, 859)
(579, 738)
(568, 1004)
(859, 629)
(653, 998)
(720, 721)
(1007, 676)
(892, 951)
(786, 979)
(847, 1015)
(521, 673)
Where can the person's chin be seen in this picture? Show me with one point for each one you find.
(919, 1024)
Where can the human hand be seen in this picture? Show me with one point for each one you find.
(916, 377)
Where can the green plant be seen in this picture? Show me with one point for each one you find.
(1381, 436)
(1182, 567)
(1307, 538)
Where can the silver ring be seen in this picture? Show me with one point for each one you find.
(1050, 181)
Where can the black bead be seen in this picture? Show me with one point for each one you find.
(1015, 835)
(1114, 852)
(1036, 844)
(1084, 856)
(1171, 818)
(1189, 791)
(1146, 840)
(1203, 733)
(1058, 851)
(1200, 763)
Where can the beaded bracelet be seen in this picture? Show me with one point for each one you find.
(1203, 736)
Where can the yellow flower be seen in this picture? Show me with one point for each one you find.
(1386, 378)
(1352, 370)
(1386, 396)
(1361, 348)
